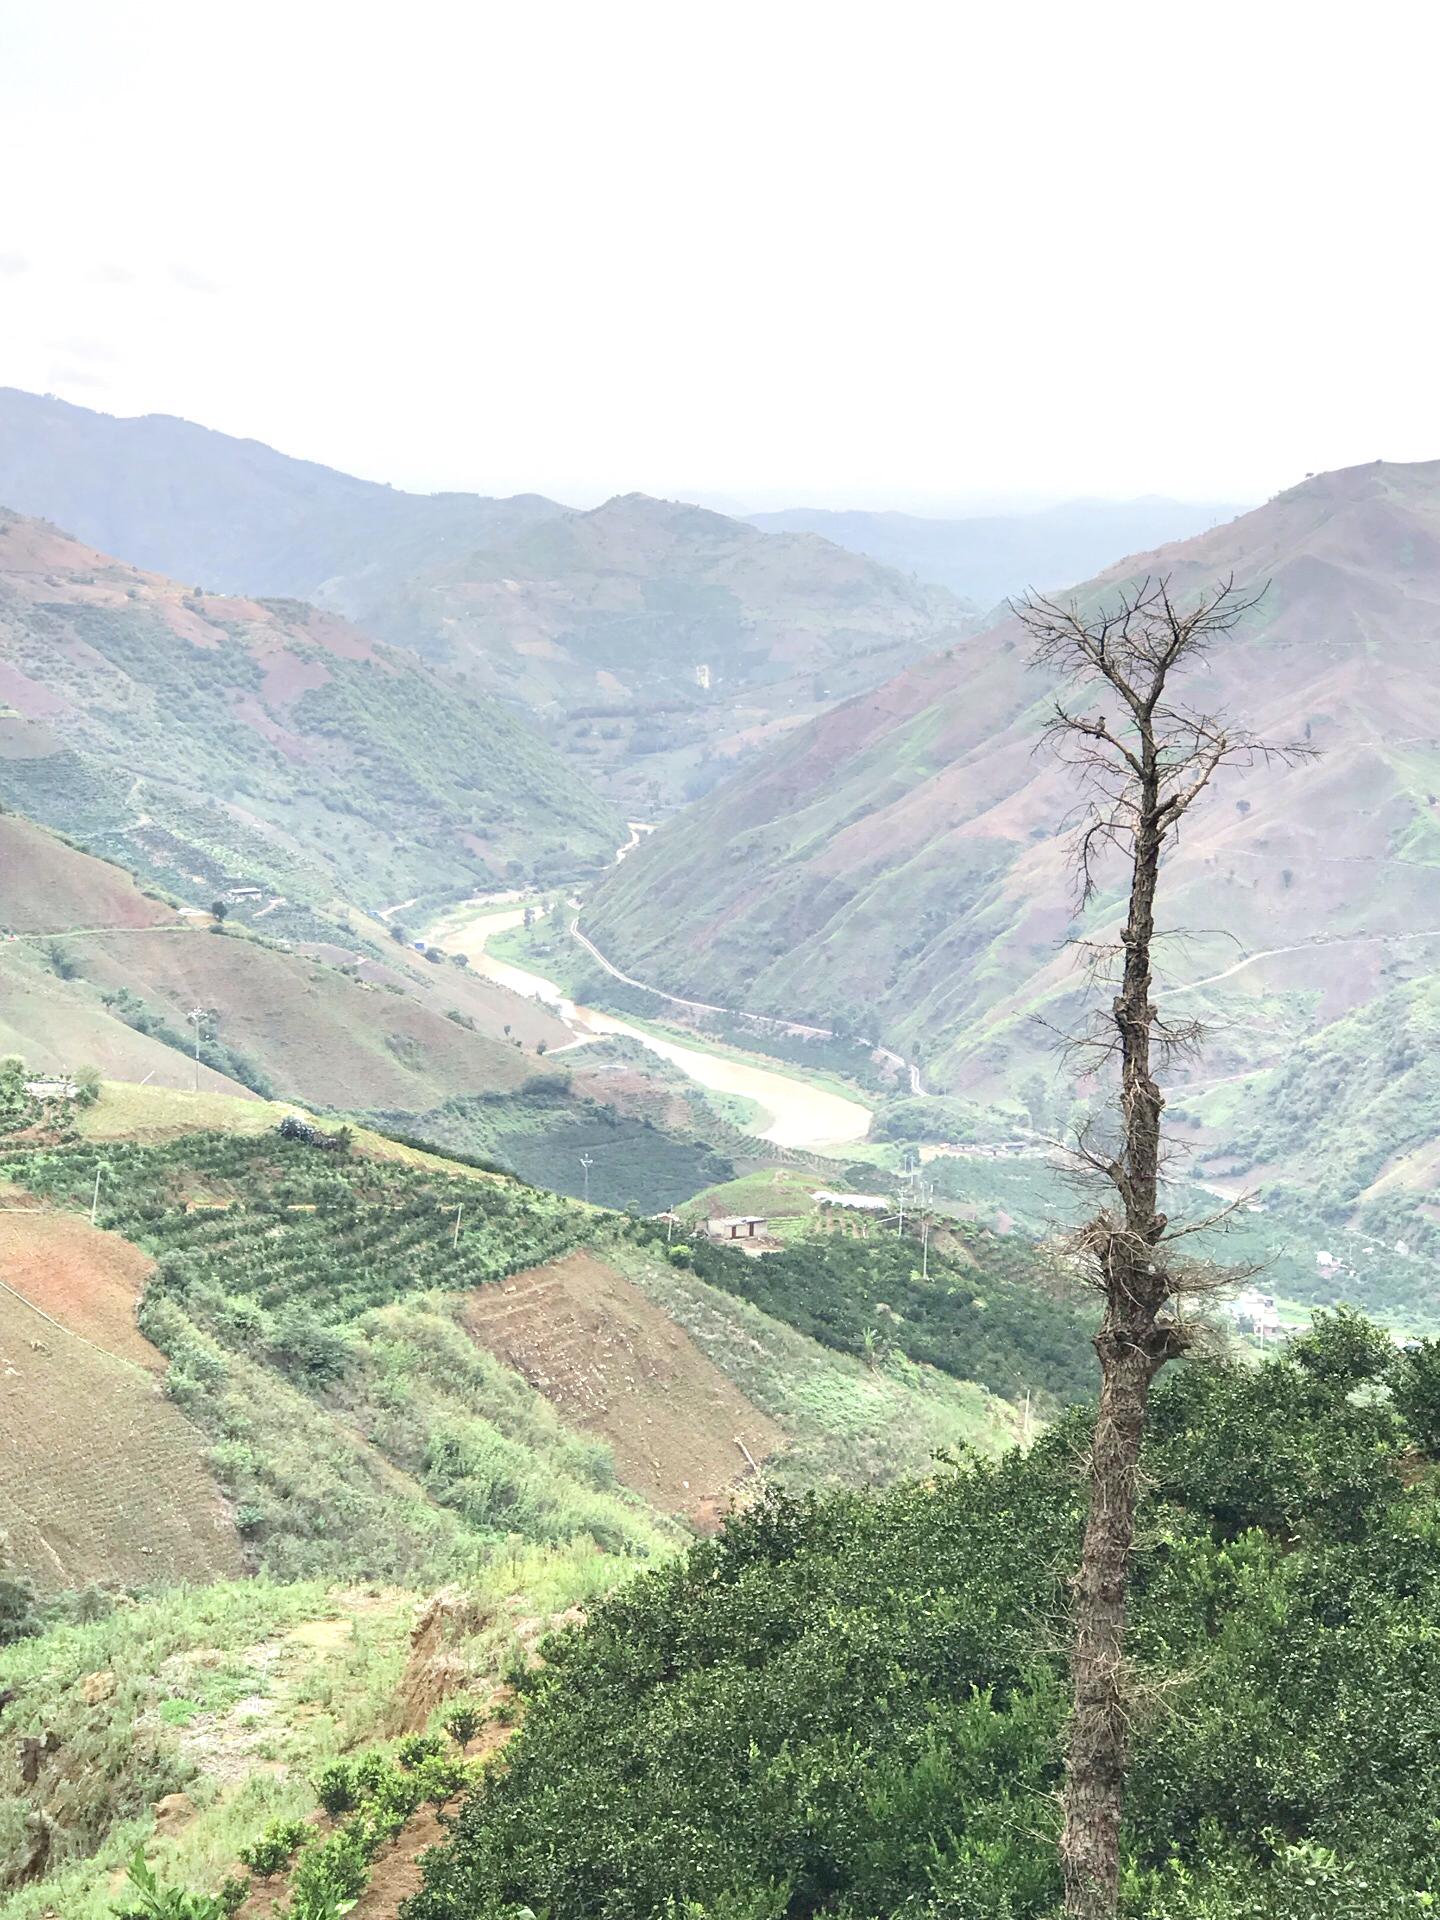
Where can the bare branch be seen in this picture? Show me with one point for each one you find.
(1143, 761)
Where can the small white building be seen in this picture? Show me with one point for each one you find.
(737, 1226)
(1326, 1262)
(52, 1089)
(1256, 1312)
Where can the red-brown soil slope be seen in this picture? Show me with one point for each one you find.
(89, 1281)
(101, 1477)
(46, 886)
(263, 749)
(613, 1364)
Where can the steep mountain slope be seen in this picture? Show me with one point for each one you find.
(73, 1398)
(96, 973)
(989, 557)
(93, 971)
(901, 861)
(375, 1310)
(658, 641)
(654, 641)
(222, 743)
(370, 1370)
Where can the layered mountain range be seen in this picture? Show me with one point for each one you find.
(986, 557)
(653, 643)
(903, 864)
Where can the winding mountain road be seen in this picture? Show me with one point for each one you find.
(1318, 944)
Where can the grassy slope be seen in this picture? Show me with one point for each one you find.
(237, 1695)
(851, 1425)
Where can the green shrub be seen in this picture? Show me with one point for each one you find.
(148, 1900)
(441, 1777)
(856, 1706)
(335, 1788)
(463, 1722)
(276, 1847)
(1416, 1391)
(418, 1747)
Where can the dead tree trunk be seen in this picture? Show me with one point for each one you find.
(1145, 762)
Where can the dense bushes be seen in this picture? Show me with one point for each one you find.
(999, 1321)
(854, 1705)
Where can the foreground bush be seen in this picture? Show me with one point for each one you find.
(854, 1706)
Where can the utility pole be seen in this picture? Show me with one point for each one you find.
(95, 1196)
(586, 1162)
(455, 1241)
(197, 1017)
(925, 1251)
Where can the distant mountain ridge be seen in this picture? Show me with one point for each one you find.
(988, 558)
(228, 515)
(654, 642)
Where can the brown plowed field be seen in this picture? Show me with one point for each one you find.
(612, 1363)
(49, 886)
(101, 1477)
(87, 1280)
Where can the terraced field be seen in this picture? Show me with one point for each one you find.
(615, 1365)
(285, 1225)
(101, 1477)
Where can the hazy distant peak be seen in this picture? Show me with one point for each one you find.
(985, 558)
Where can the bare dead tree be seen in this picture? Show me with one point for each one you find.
(1144, 758)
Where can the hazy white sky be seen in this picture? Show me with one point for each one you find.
(812, 250)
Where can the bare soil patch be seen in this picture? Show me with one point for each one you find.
(49, 886)
(614, 1364)
(89, 1281)
(101, 1477)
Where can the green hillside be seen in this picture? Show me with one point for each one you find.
(855, 1707)
(1345, 1134)
(329, 1330)
(264, 750)
(899, 868)
(300, 1296)
(654, 643)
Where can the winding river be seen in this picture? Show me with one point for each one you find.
(798, 1113)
